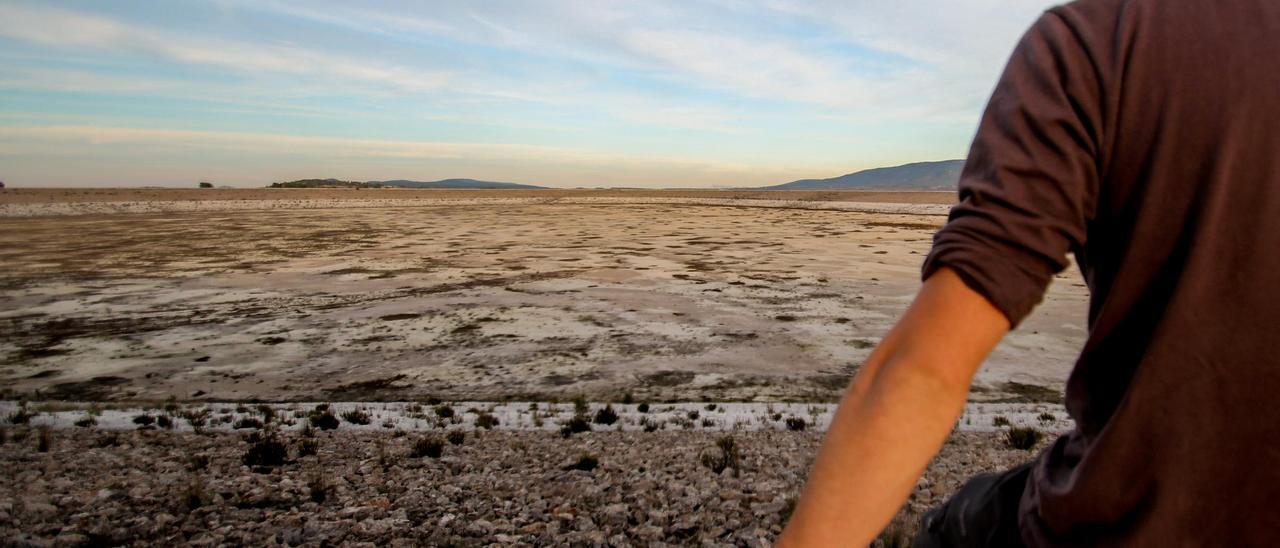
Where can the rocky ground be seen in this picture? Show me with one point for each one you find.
(84, 486)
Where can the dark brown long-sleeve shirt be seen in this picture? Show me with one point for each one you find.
(1143, 137)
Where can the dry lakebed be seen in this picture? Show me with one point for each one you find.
(231, 319)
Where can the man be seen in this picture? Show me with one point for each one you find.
(1143, 137)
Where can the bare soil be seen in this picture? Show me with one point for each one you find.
(480, 301)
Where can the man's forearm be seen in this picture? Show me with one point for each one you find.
(883, 435)
(896, 415)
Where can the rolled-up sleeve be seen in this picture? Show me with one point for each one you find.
(1029, 186)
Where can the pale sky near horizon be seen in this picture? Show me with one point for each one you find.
(657, 93)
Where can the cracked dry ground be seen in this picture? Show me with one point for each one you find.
(669, 302)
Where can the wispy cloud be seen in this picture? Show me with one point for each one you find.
(756, 89)
(61, 28)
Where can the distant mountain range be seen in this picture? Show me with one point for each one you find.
(454, 183)
(918, 176)
(400, 183)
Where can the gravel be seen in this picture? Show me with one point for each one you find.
(144, 487)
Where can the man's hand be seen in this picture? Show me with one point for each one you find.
(896, 414)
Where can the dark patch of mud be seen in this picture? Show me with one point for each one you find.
(94, 389)
(384, 389)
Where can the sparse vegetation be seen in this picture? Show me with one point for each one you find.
(268, 413)
(246, 423)
(356, 416)
(317, 487)
(725, 459)
(1047, 418)
(456, 437)
(308, 447)
(796, 424)
(197, 419)
(21, 416)
(486, 421)
(86, 421)
(575, 425)
(265, 451)
(198, 462)
(1023, 438)
(194, 495)
(1000, 420)
(427, 447)
(444, 411)
(606, 415)
(323, 420)
(643, 408)
(144, 420)
(44, 440)
(586, 463)
(580, 406)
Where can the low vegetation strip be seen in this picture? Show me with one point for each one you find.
(468, 416)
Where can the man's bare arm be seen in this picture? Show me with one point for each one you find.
(896, 414)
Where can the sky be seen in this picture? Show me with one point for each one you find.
(591, 93)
